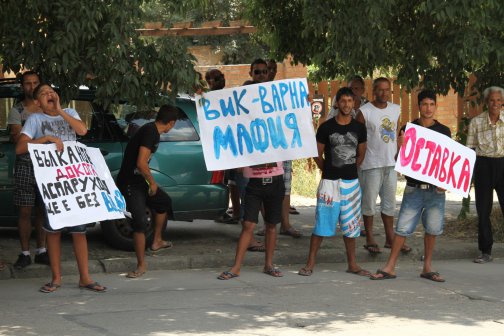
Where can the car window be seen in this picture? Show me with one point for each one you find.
(85, 110)
(131, 120)
(5, 107)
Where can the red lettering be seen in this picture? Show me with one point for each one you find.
(76, 169)
(451, 173)
(435, 162)
(419, 145)
(431, 146)
(69, 171)
(409, 135)
(442, 174)
(465, 175)
(60, 175)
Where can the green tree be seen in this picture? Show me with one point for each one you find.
(94, 43)
(433, 43)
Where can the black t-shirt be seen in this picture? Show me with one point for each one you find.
(437, 127)
(340, 152)
(146, 136)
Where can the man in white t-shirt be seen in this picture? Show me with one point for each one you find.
(378, 176)
(24, 193)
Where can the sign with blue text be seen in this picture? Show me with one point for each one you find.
(256, 124)
(75, 184)
(434, 158)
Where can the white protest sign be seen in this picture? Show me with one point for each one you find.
(434, 158)
(255, 124)
(75, 184)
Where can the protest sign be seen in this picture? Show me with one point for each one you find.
(75, 184)
(256, 124)
(434, 158)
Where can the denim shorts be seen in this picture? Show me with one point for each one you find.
(269, 194)
(287, 166)
(338, 202)
(378, 182)
(416, 202)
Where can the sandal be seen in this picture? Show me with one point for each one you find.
(273, 271)
(294, 233)
(49, 287)
(361, 272)
(135, 274)
(433, 276)
(94, 287)
(293, 211)
(257, 248)
(305, 271)
(227, 275)
(404, 249)
(372, 248)
(384, 275)
(167, 245)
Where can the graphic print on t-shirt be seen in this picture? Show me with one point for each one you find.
(343, 148)
(387, 130)
(58, 128)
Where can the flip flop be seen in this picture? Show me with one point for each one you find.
(305, 271)
(49, 287)
(257, 248)
(166, 246)
(433, 276)
(291, 232)
(274, 272)
(384, 276)
(404, 249)
(135, 274)
(361, 272)
(293, 211)
(372, 248)
(94, 287)
(227, 275)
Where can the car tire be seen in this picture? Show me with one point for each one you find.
(118, 233)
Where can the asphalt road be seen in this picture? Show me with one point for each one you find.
(194, 302)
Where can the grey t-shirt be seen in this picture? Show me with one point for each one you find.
(18, 114)
(41, 124)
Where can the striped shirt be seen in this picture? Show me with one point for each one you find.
(486, 138)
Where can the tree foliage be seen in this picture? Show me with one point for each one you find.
(432, 43)
(93, 43)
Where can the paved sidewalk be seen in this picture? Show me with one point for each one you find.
(206, 244)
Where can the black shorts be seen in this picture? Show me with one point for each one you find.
(268, 192)
(138, 200)
(25, 192)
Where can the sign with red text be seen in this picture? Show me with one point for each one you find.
(434, 158)
(75, 184)
(256, 124)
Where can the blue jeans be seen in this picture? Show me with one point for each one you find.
(416, 202)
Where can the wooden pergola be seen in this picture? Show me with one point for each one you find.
(210, 28)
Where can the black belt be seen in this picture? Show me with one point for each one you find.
(267, 180)
(423, 186)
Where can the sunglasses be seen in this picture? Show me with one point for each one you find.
(258, 72)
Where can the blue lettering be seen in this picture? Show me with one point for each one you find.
(259, 132)
(229, 109)
(209, 114)
(291, 123)
(266, 107)
(108, 202)
(284, 89)
(244, 136)
(276, 98)
(303, 94)
(119, 199)
(237, 100)
(276, 132)
(294, 95)
(224, 140)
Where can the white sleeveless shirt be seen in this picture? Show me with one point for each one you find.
(381, 125)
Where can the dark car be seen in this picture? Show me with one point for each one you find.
(178, 165)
